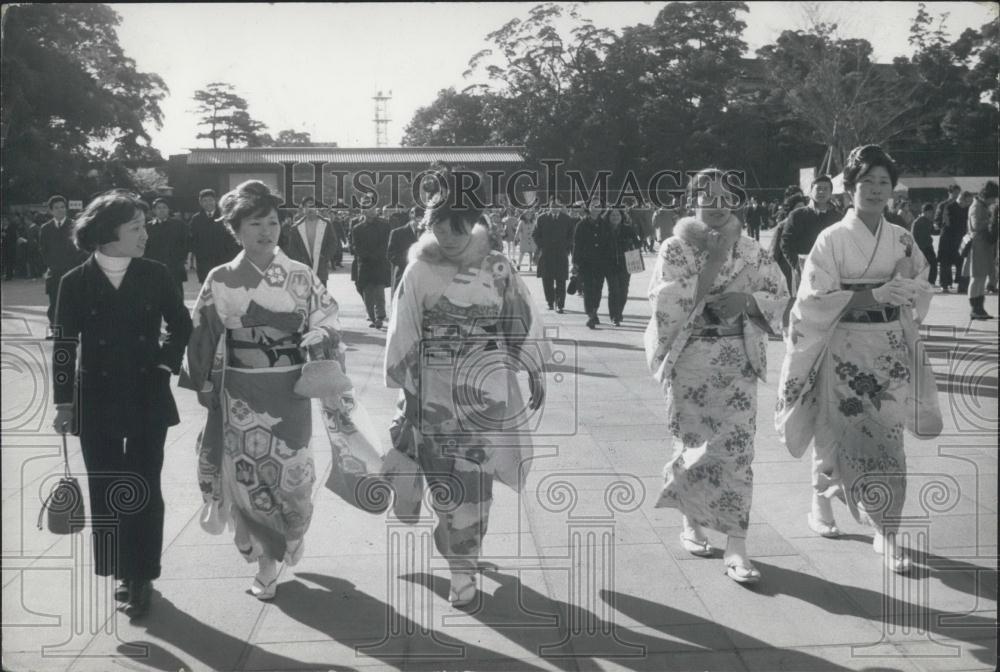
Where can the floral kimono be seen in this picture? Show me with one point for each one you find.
(461, 334)
(264, 473)
(852, 379)
(708, 369)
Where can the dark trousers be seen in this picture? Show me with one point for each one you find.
(593, 288)
(618, 283)
(554, 287)
(52, 290)
(126, 502)
(753, 230)
(951, 268)
(932, 261)
(374, 298)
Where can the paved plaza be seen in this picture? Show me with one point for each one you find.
(580, 572)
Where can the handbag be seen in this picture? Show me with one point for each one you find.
(322, 378)
(64, 504)
(572, 286)
(634, 262)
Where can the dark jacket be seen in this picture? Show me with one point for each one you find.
(59, 252)
(371, 243)
(593, 245)
(801, 231)
(211, 241)
(922, 230)
(296, 247)
(168, 244)
(400, 241)
(553, 236)
(119, 386)
(956, 223)
(624, 239)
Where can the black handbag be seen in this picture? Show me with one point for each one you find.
(64, 504)
(572, 287)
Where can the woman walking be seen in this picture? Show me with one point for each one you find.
(624, 238)
(266, 309)
(455, 347)
(715, 297)
(982, 248)
(110, 309)
(853, 378)
(524, 239)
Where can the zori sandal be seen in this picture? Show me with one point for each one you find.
(699, 547)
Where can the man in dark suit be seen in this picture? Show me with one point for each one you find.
(168, 242)
(59, 254)
(212, 243)
(313, 240)
(370, 270)
(553, 236)
(400, 240)
(109, 314)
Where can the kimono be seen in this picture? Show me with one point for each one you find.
(248, 323)
(708, 369)
(460, 333)
(853, 379)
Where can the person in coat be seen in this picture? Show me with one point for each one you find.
(982, 252)
(168, 242)
(211, 242)
(593, 258)
(108, 316)
(59, 254)
(553, 236)
(400, 240)
(313, 241)
(370, 270)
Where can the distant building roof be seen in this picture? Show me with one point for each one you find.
(356, 156)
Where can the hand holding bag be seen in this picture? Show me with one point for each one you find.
(64, 504)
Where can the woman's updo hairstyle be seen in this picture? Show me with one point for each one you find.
(862, 159)
(700, 183)
(98, 224)
(252, 198)
(455, 195)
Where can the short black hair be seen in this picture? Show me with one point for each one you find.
(56, 199)
(862, 159)
(248, 199)
(927, 207)
(307, 200)
(455, 202)
(954, 189)
(98, 223)
(206, 192)
(161, 200)
(990, 190)
(821, 178)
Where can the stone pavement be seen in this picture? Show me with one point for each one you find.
(579, 573)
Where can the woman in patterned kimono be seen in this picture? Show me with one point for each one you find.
(267, 309)
(715, 296)
(463, 327)
(853, 376)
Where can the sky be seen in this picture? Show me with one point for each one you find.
(315, 67)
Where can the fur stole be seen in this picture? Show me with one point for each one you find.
(427, 249)
(704, 238)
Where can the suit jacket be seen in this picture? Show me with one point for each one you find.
(59, 252)
(119, 385)
(371, 244)
(400, 240)
(320, 257)
(168, 244)
(553, 235)
(593, 245)
(211, 242)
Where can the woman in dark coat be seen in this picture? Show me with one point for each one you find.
(110, 309)
(625, 238)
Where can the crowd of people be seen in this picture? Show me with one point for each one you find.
(846, 291)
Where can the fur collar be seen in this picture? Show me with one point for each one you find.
(428, 250)
(705, 238)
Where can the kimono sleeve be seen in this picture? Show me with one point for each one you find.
(770, 291)
(324, 315)
(402, 347)
(208, 329)
(522, 322)
(671, 297)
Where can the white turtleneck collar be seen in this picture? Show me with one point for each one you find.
(113, 267)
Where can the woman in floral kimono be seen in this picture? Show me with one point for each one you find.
(266, 309)
(715, 296)
(463, 327)
(853, 376)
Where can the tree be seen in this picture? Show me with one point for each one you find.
(452, 119)
(292, 138)
(75, 109)
(225, 113)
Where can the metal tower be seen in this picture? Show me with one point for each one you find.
(382, 118)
